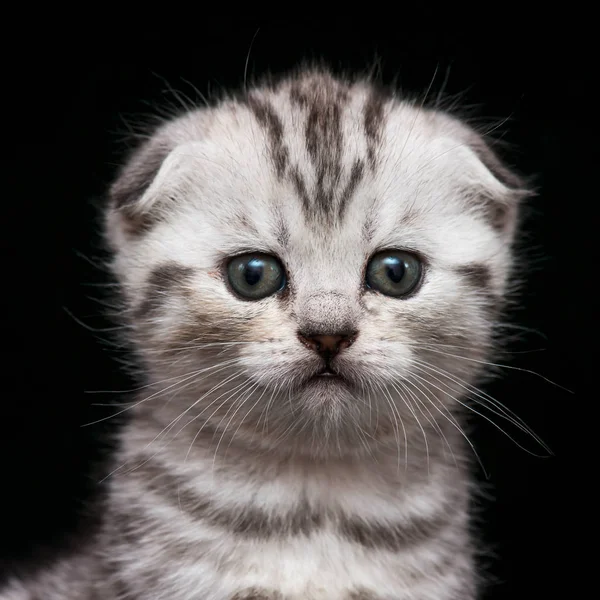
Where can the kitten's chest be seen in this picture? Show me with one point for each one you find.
(319, 566)
(187, 531)
(215, 552)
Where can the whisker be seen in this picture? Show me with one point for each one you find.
(141, 387)
(265, 411)
(435, 424)
(409, 406)
(246, 398)
(232, 394)
(506, 413)
(99, 266)
(431, 421)
(248, 59)
(196, 90)
(450, 418)
(94, 329)
(202, 346)
(491, 364)
(397, 417)
(470, 408)
(168, 427)
(222, 366)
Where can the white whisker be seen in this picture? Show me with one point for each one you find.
(491, 364)
(470, 408)
(222, 366)
(397, 419)
(408, 404)
(503, 411)
(168, 427)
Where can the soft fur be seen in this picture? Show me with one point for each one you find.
(238, 476)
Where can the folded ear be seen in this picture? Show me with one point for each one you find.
(131, 203)
(135, 178)
(502, 190)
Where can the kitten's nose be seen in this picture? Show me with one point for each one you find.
(328, 345)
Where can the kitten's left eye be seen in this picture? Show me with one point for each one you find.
(394, 273)
(255, 276)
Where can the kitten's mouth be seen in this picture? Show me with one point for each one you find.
(327, 371)
(327, 374)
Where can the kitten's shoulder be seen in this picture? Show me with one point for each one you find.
(70, 578)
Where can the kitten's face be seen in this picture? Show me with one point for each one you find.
(321, 253)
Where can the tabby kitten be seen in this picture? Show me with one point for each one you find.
(311, 273)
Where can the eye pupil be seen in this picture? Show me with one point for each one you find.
(394, 269)
(253, 272)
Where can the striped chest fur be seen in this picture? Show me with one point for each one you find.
(311, 274)
(288, 528)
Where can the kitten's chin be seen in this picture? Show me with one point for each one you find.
(325, 398)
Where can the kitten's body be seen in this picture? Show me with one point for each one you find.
(240, 475)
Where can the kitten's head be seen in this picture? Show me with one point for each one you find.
(315, 257)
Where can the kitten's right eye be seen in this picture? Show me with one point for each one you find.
(255, 276)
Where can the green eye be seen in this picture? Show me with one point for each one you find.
(394, 273)
(255, 276)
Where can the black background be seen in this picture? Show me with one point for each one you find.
(70, 102)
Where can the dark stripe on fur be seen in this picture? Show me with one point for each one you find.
(268, 119)
(498, 214)
(391, 536)
(477, 275)
(283, 232)
(298, 96)
(256, 523)
(439, 328)
(363, 594)
(160, 285)
(300, 186)
(136, 526)
(122, 590)
(251, 522)
(373, 120)
(257, 594)
(479, 279)
(356, 175)
(324, 141)
(369, 226)
(322, 100)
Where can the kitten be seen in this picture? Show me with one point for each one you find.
(311, 273)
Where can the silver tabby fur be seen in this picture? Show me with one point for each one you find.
(238, 476)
